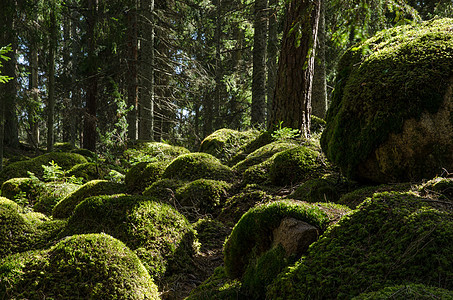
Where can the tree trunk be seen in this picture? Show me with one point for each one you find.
(258, 113)
(319, 93)
(218, 67)
(292, 101)
(89, 132)
(76, 98)
(33, 134)
(51, 79)
(272, 54)
(132, 75)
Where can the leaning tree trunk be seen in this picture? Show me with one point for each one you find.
(292, 100)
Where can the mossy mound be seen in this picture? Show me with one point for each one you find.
(143, 174)
(390, 117)
(156, 232)
(63, 147)
(66, 206)
(317, 125)
(145, 151)
(88, 154)
(25, 188)
(441, 187)
(92, 266)
(195, 166)
(250, 236)
(19, 169)
(51, 194)
(88, 171)
(391, 239)
(219, 286)
(317, 190)
(264, 138)
(226, 143)
(262, 154)
(407, 291)
(211, 233)
(22, 231)
(295, 165)
(164, 190)
(201, 197)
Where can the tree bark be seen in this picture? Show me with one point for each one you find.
(132, 75)
(319, 93)
(272, 54)
(258, 112)
(76, 98)
(33, 135)
(292, 100)
(51, 79)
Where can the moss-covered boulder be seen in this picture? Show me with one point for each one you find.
(262, 154)
(211, 233)
(407, 291)
(92, 266)
(22, 231)
(63, 147)
(161, 237)
(145, 151)
(66, 206)
(392, 238)
(441, 187)
(143, 174)
(317, 190)
(226, 143)
(88, 171)
(198, 165)
(51, 194)
(164, 190)
(21, 188)
(391, 113)
(264, 138)
(201, 197)
(295, 165)
(218, 286)
(259, 173)
(19, 169)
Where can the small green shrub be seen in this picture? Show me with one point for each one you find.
(93, 266)
(285, 133)
(195, 166)
(65, 207)
(143, 174)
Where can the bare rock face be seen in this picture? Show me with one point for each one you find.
(295, 236)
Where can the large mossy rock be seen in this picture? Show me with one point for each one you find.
(92, 266)
(407, 291)
(391, 239)
(145, 151)
(391, 118)
(143, 174)
(88, 171)
(19, 169)
(161, 237)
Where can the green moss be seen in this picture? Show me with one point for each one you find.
(396, 75)
(262, 154)
(442, 187)
(391, 239)
(250, 237)
(89, 155)
(93, 266)
(143, 174)
(407, 291)
(258, 174)
(163, 190)
(201, 197)
(156, 232)
(66, 206)
(19, 169)
(261, 140)
(21, 189)
(144, 151)
(317, 190)
(88, 171)
(226, 143)
(211, 233)
(63, 147)
(51, 194)
(195, 166)
(294, 165)
(218, 286)
(317, 125)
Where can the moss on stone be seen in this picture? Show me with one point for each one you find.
(201, 197)
(195, 166)
(294, 165)
(391, 239)
(226, 143)
(211, 233)
(66, 206)
(317, 190)
(161, 237)
(250, 236)
(164, 190)
(25, 188)
(63, 147)
(145, 151)
(88, 171)
(317, 125)
(397, 75)
(258, 174)
(92, 266)
(264, 138)
(262, 154)
(19, 169)
(143, 174)
(52, 193)
(442, 187)
(89, 155)
(408, 291)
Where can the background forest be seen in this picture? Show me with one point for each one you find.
(97, 73)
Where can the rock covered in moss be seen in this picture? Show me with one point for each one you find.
(66, 206)
(163, 190)
(197, 165)
(211, 233)
(88, 171)
(391, 113)
(161, 237)
(21, 188)
(202, 196)
(391, 239)
(442, 187)
(317, 190)
(217, 286)
(407, 291)
(294, 165)
(92, 266)
(143, 174)
(264, 138)
(51, 194)
(19, 169)
(145, 151)
(226, 143)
